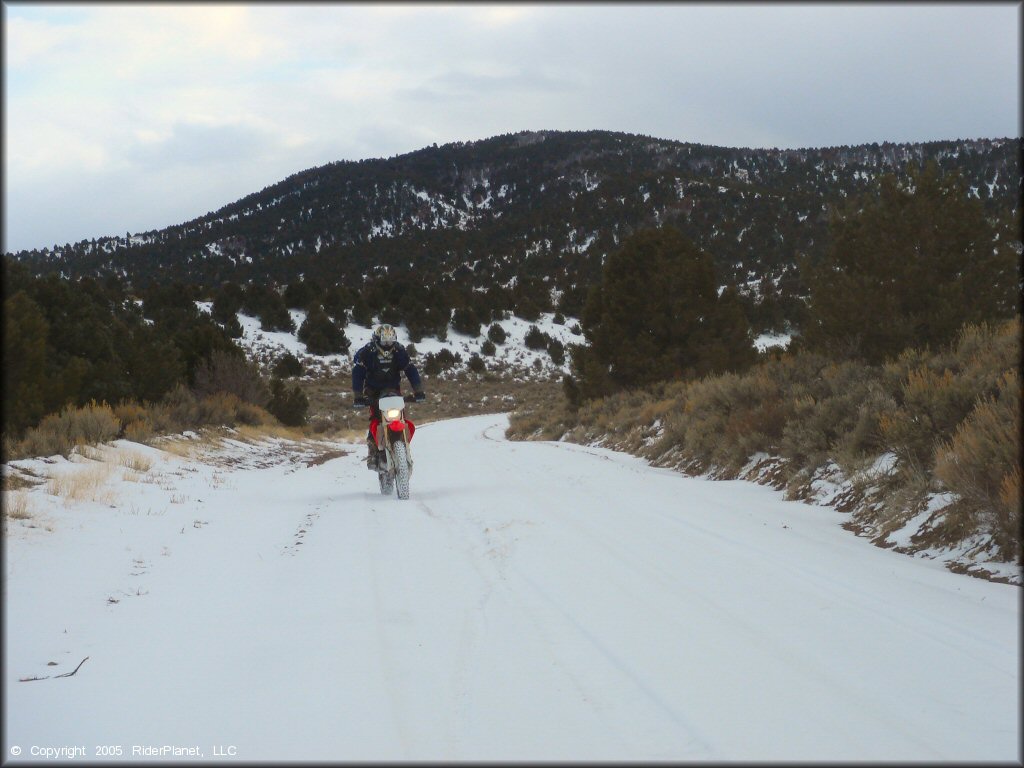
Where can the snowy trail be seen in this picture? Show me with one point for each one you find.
(532, 601)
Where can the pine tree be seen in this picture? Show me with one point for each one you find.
(25, 332)
(908, 266)
(321, 335)
(656, 315)
(289, 405)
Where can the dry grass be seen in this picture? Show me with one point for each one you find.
(60, 433)
(981, 463)
(255, 433)
(17, 505)
(185, 448)
(135, 461)
(18, 479)
(89, 483)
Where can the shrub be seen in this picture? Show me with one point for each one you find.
(321, 335)
(289, 406)
(135, 421)
(219, 409)
(496, 334)
(128, 411)
(59, 432)
(288, 366)
(274, 316)
(180, 410)
(557, 351)
(231, 373)
(443, 360)
(488, 348)
(253, 415)
(476, 364)
(935, 392)
(465, 320)
(981, 464)
(535, 338)
(138, 431)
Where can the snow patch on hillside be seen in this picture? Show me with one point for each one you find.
(266, 347)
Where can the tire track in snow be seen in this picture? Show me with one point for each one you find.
(474, 630)
(847, 593)
(389, 660)
(639, 563)
(524, 613)
(618, 549)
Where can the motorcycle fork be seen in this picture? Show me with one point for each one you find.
(404, 438)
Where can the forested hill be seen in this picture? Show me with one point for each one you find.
(530, 212)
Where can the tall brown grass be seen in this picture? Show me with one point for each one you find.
(59, 433)
(139, 422)
(981, 464)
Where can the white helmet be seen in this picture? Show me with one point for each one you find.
(385, 337)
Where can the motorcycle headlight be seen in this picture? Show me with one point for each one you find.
(393, 413)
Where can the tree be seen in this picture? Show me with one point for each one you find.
(274, 315)
(557, 351)
(535, 338)
(227, 303)
(321, 335)
(289, 405)
(25, 332)
(465, 320)
(656, 315)
(908, 265)
(288, 366)
(496, 334)
(299, 294)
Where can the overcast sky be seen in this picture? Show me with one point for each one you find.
(133, 117)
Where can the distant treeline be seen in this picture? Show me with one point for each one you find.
(68, 343)
(523, 215)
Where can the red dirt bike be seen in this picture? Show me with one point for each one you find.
(392, 434)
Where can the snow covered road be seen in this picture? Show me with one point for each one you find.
(532, 601)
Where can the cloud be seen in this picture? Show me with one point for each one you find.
(461, 84)
(155, 97)
(197, 144)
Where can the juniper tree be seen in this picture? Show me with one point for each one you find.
(321, 335)
(25, 332)
(657, 315)
(908, 265)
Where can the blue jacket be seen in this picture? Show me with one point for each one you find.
(375, 370)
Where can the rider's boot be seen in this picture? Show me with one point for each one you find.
(371, 455)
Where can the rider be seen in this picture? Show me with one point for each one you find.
(376, 367)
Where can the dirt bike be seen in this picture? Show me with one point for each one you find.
(392, 435)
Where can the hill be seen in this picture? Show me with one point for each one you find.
(527, 219)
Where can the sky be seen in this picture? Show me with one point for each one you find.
(133, 117)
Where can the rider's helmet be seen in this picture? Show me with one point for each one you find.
(385, 337)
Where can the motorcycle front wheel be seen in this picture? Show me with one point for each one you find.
(401, 455)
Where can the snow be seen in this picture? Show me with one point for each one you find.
(532, 601)
(271, 345)
(767, 340)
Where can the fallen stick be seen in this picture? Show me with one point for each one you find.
(49, 677)
(69, 674)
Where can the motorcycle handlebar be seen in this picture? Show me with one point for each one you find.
(369, 402)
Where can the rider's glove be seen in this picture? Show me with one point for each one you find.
(421, 396)
(359, 402)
